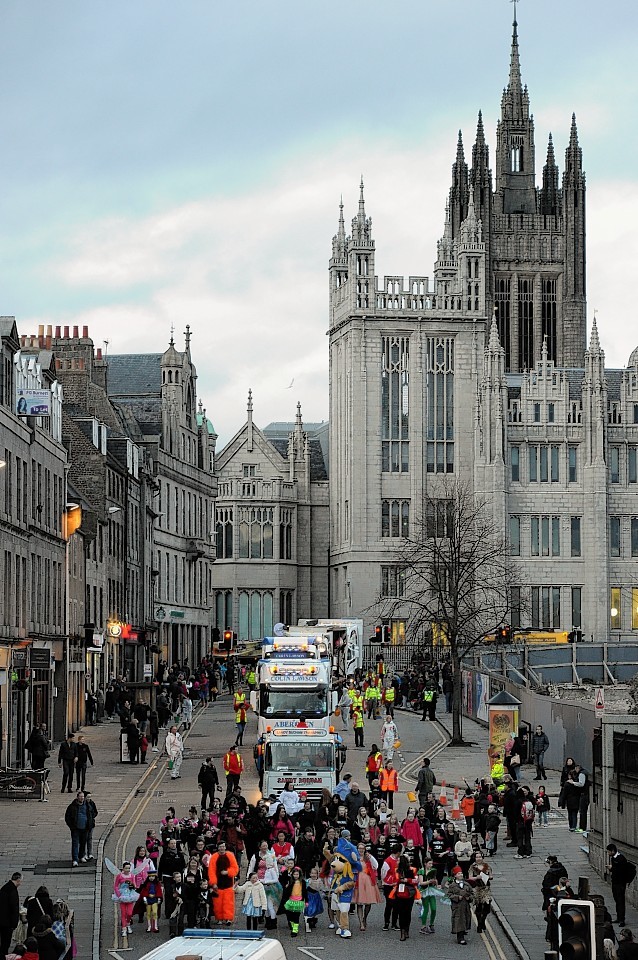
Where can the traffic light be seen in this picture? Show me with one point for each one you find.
(88, 634)
(504, 633)
(216, 634)
(382, 633)
(576, 930)
(228, 640)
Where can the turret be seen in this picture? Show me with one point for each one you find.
(574, 301)
(550, 197)
(361, 256)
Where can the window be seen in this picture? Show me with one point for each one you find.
(534, 536)
(285, 606)
(634, 608)
(515, 454)
(285, 537)
(517, 158)
(550, 412)
(533, 464)
(614, 536)
(440, 405)
(515, 536)
(634, 536)
(535, 608)
(575, 536)
(224, 532)
(577, 594)
(615, 619)
(548, 316)
(545, 536)
(255, 614)
(632, 472)
(526, 325)
(255, 533)
(537, 413)
(556, 536)
(439, 518)
(572, 459)
(392, 581)
(502, 305)
(614, 464)
(554, 469)
(395, 401)
(395, 518)
(515, 612)
(249, 470)
(543, 461)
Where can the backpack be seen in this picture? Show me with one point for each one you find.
(527, 812)
(630, 872)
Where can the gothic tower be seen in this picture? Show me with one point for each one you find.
(535, 236)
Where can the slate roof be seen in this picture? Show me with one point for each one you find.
(317, 464)
(134, 375)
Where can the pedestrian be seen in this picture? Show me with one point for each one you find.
(542, 807)
(583, 803)
(388, 879)
(38, 746)
(91, 708)
(67, 758)
(492, 823)
(186, 710)
(125, 893)
(429, 890)
(460, 895)
(448, 692)
(404, 893)
(222, 870)
(233, 768)
(539, 745)
(109, 701)
(425, 781)
(294, 899)
(152, 896)
(90, 828)
(264, 863)
(99, 696)
(480, 875)
(79, 819)
(627, 946)
(49, 947)
(240, 723)
(357, 723)
(254, 903)
(208, 781)
(83, 755)
(467, 807)
(143, 747)
(389, 736)
(389, 784)
(525, 822)
(373, 763)
(38, 906)
(620, 874)
(133, 740)
(153, 730)
(9, 911)
(389, 697)
(569, 798)
(174, 746)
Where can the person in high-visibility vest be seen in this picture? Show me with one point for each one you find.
(372, 697)
(357, 722)
(374, 763)
(233, 768)
(389, 696)
(498, 770)
(240, 723)
(356, 702)
(389, 783)
(251, 678)
(352, 690)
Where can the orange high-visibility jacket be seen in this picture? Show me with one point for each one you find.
(389, 780)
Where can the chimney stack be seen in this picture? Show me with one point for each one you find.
(58, 333)
(76, 333)
(49, 332)
(85, 333)
(66, 333)
(99, 353)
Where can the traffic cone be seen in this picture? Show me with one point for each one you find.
(455, 812)
(443, 795)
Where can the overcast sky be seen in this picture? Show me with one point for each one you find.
(170, 163)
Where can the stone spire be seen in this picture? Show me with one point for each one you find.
(339, 249)
(249, 410)
(459, 189)
(362, 225)
(573, 156)
(549, 191)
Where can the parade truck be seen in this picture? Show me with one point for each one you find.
(294, 681)
(310, 759)
(345, 639)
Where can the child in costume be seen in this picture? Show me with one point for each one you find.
(125, 893)
(345, 865)
(428, 884)
(254, 900)
(293, 900)
(152, 895)
(314, 907)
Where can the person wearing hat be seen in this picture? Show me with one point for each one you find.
(460, 893)
(152, 895)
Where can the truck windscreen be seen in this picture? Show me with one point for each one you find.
(290, 757)
(293, 703)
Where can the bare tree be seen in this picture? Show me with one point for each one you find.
(454, 577)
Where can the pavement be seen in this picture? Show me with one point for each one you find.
(35, 840)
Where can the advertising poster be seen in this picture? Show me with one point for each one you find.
(503, 724)
(481, 696)
(33, 403)
(22, 784)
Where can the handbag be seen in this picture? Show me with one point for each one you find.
(516, 760)
(337, 711)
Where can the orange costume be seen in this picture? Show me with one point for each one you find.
(222, 869)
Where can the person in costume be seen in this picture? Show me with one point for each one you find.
(345, 865)
(366, 891)
(152, 895)
(125, 893)
(428, 883)
(222, 870)
(314, 906)
(254, 903)
(293, 900)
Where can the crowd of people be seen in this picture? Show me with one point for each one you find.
(40, 928)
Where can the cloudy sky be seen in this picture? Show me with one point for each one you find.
(170, 163)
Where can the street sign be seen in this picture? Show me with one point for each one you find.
(600, 701)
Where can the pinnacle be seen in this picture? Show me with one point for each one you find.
(480, 132)
(594, 342)
(551, 160)
(494, 343)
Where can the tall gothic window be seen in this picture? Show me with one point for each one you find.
(440, 405)
(395, 404)
(502, 301)
(548, 316)
(255, 533)
(525, 324)
(285, 534)
(224, 524)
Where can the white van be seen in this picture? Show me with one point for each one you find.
(219, 945)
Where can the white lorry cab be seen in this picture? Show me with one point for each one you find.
(345, 639)
(293, 683)
(311, 760)
(219, 945)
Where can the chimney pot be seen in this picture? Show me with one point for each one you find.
(49, 332)
(41, 330)
(47, 340)
(85, 333)
(58, 364)
(99, 353)
(23, 340)
(76, 333)
(57, 333)
(41, 340)
(66, 333)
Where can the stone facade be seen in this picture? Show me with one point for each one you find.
(272, 529)
(485, 376)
